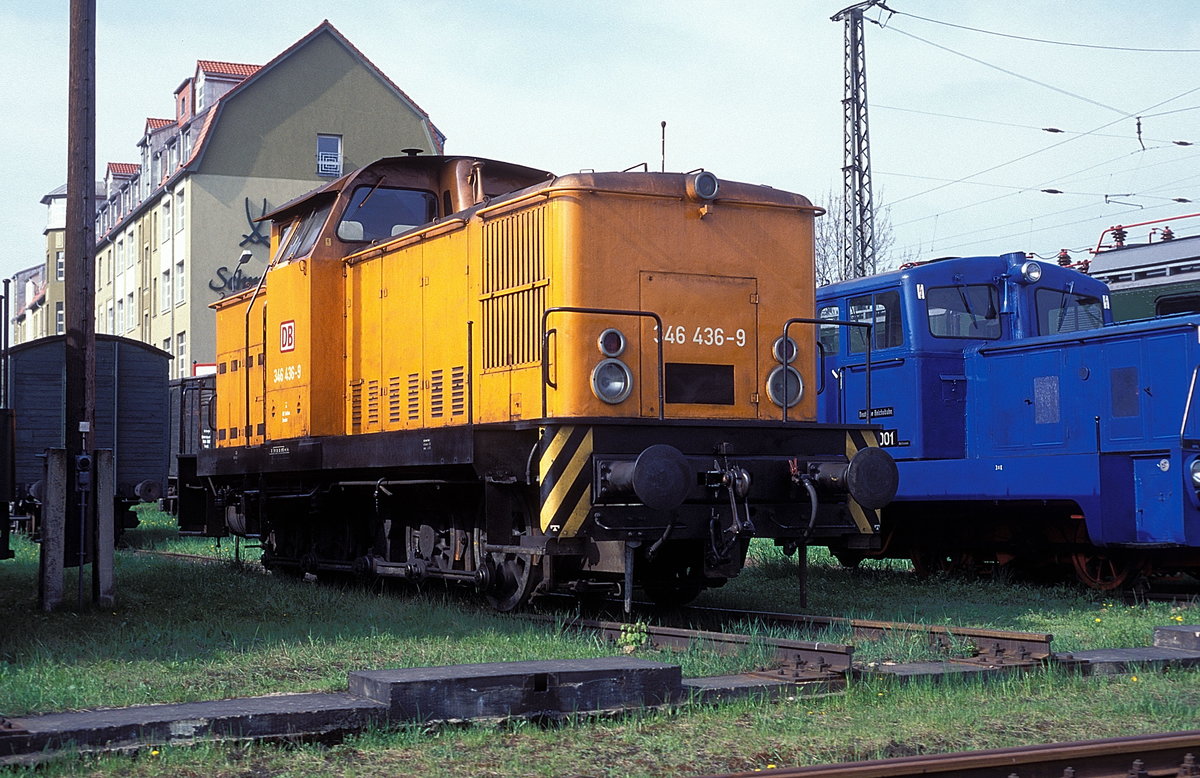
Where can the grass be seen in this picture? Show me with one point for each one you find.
(184, 631)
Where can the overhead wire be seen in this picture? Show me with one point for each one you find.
(1054, 130)
(1074, 136)
(1044, 40)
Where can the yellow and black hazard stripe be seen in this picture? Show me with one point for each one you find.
(565, 475)
(866, 520)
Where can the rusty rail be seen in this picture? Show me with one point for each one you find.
(996, 647)
(1167, 754)
(793, 661)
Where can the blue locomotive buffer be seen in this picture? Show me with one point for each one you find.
(1029, 430)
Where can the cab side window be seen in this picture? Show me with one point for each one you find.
(882, 311)
(830, 334)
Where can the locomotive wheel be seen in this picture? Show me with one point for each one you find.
(849, 559)
(1105, 571)
(927, 563)
(514, 578)
(674, 593)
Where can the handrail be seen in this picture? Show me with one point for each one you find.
(781, 357)
(1187, 408)
(601, 312)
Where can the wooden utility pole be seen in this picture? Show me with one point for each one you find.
(80, 296)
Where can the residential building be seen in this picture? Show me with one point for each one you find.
(243, 139)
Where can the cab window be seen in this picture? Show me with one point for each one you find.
(305, 235)
(882, 311)
(963, 311)
(830, 334)
(1062, 311)
(380, 213)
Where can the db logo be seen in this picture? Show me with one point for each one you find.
(287, 336)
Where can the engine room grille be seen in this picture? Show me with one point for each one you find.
(356, 406)
(372, 403)
(414, 396)
(458, 390)
(514, 288)
(395, 412)
(436, 393)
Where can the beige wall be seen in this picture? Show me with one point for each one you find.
(270, 128)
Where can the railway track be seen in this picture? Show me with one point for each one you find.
(1144, 756)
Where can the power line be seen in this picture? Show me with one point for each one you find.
(1062, 142)
(1043, 40)
(1053, 130)
(1008, 72)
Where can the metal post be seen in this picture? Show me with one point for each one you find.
(858, 238)
(105, 529)
(54, 527)
(802, 573)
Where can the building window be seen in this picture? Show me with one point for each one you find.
(60, 319)
(112, 324)
(120, 322)
(130, 313)
(166, 222)
(329, 155)
(181, 354)
(180, 283)
(60, 265)
(166, 345)
(165, 288)
(179, 210)
(119, 258)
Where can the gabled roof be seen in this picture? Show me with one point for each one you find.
(124, 169)
(158, 124)
(225, 69)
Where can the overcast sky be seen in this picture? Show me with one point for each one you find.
(751, 91)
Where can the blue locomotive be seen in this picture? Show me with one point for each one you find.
(1030, 431)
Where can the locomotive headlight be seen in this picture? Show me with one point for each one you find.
(612, 381)
(611, 342)
(702, 186)
(1195, 469)
(784, 350)
(1031, 272)
(784, 384)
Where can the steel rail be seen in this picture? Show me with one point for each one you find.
(997, 646)
(793, 660)
(1171, 753)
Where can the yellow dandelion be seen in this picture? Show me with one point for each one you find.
(1177, 618)
(770, 767)
(1097, 619)
(1133, 678)
(154, 752)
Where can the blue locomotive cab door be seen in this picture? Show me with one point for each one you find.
(892, 386)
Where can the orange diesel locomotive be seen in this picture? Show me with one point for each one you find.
(465, 369)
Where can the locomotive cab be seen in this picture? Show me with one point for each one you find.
(924, 318)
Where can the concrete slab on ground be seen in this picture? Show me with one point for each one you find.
(501, 689)
(1114, 661)
(1186, 636)
(276, 715)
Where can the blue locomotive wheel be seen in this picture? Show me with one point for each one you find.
(1105, 570)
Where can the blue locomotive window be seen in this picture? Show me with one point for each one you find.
(1060, 310)
(830, 334)
(964, 311)
(380, 213)
(882, 311)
